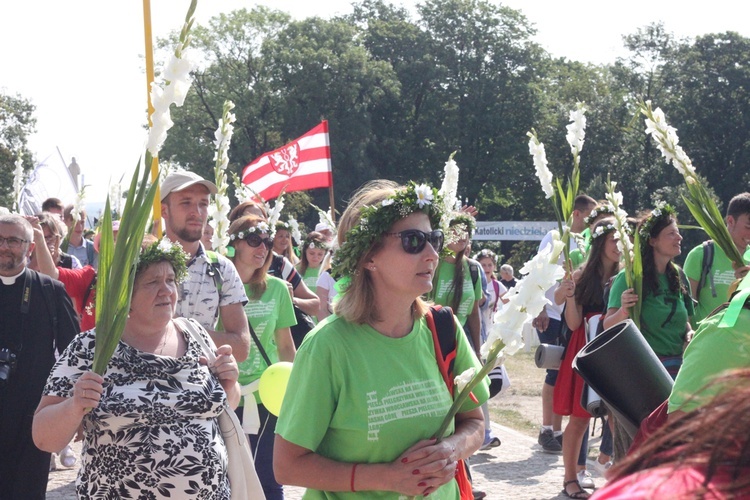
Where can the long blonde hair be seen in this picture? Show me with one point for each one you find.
(357, 303)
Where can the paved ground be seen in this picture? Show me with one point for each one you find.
(517, 469)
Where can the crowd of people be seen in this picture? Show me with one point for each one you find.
(356, 309)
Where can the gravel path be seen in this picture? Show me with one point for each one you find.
(517, 469)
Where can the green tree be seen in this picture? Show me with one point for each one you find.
(17, 123)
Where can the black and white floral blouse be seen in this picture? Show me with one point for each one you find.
(155, 433)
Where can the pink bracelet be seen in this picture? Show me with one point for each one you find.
(351, 483)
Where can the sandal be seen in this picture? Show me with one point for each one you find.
(581, 493)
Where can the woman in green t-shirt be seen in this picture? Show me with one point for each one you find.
(666, 306)
(366, 395)
(455, 284)
(314, 251)
(270, 314)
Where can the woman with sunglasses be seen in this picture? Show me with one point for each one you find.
(366, 396)
(270, 314)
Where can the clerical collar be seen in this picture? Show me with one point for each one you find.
(9, 280)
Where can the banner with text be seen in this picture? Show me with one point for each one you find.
(513, 230)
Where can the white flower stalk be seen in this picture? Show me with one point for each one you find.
(177, 82)
(242, 192)
(698, 200)
(449, 190)
(505, 337)
(219, 210)
(536, 149)
(115, 197)
(665, 137)
(79, 206)
(17, 180)
(274, 213)
(296, 233)
(463, 380)
(576, 129)
(622, 229)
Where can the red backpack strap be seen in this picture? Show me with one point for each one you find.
(443, 327)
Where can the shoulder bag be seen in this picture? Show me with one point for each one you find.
(243, 480)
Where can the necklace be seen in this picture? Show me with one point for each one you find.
(164, 340)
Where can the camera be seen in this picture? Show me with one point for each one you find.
(7, 365)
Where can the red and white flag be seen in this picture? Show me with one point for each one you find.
(304, 163)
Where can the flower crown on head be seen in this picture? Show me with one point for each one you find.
(165, 250)
(602, 230)
(374, 220)
(460, 219)
(661, 210)
(261, 227)
(596, 212)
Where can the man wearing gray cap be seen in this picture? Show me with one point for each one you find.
(212, 285)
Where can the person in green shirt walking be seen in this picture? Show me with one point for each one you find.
(270, 313)
(366, 396)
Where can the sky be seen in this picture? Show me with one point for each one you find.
(80, 62)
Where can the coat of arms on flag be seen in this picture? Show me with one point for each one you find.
(304, 163)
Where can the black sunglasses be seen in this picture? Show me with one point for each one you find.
(255, 240)
(413, 241)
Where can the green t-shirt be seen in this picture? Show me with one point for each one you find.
(443, 292)
(266, 315)
(356, 395)
(723, 276)
(311, 277)
(664, 316)
(712, 351)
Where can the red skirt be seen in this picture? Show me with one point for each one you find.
(569, 385)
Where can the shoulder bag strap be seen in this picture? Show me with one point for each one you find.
(193, 331)
(258, 344)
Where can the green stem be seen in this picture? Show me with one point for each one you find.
(464, 394)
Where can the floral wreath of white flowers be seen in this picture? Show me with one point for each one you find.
(602, 230)
(261, 227)
(602, 209)
(375, 220)
(165, 250)
(662, 209)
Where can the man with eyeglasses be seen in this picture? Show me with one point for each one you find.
(212, 288)
(37, 318)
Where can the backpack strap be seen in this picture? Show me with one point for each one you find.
(215, 272)
(90, 252)
(474, 272)
(706, 275)
(443, 327)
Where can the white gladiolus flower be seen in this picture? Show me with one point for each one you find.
(526, 299)
(462, 380)
(576, 129)
(296, 233)
(177, 83)
(665, 137)
(536, 149)
(219, 210)
(449, 189)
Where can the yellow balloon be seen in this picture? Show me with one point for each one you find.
(272, 386)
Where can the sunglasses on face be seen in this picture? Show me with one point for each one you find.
(413, 241)
(255, 240)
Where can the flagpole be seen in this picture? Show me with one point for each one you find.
(149, 81)
(330, 200)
